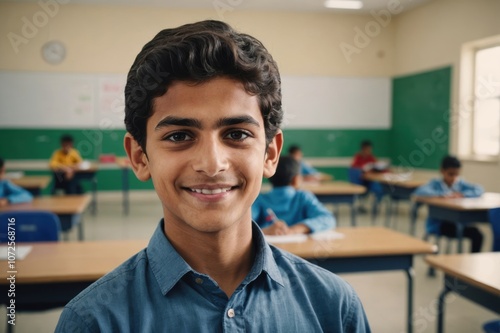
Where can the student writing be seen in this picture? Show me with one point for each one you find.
(298, 211)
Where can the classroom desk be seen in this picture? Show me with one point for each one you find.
(69, 208)
(473, 276)
(69, 267)
(34, 184)
(398, 187)
(460, 210)
(90, 174)
(335, 192)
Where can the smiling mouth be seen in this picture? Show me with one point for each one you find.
(210, 191)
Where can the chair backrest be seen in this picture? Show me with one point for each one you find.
(354, 176)
(32, 226)
(494, 215)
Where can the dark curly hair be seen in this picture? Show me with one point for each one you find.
(197, 53)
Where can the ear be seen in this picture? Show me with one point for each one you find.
(137, 157)
(273, 154)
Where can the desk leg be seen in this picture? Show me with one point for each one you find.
(410, 274)
(94, 195)
(388, 213)
(440, 319)
(353, 211)
(125, 191)
(460, 234)
(80, 230)
(413, 218)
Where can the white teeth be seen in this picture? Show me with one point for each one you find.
(214, 191)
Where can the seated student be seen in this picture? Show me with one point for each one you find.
(299, 212)
(11, 193)
(206, 128)
(308, 172)
(64, 162)
(365, 161)
(451, 186)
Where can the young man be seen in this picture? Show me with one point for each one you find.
(451, 186)
(11, 193)
(286, 210)
(63, 163)
(203, 110)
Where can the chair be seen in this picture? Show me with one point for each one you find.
(29, 226)
(492, 326)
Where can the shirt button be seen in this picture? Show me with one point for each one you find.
(230, 313)
(198, 280)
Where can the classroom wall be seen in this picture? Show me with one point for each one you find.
(430, 37)
(106, 39)
(103, 40)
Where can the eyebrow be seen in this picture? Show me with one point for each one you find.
(191, 122)
(177, 121)
(237, 120)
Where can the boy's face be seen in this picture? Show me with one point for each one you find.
(366, 150)
(206, 154)
(66, 146)
(450, 175)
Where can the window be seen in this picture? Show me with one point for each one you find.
(478, 112)
(486, 117)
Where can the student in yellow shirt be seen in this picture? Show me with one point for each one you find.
(63, 163)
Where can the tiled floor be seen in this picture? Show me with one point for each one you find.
(383, 294)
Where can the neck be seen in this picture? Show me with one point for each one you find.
(226, 256)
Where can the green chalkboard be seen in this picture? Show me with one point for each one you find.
(420, 119)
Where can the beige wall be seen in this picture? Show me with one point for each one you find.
(432, 36)
(105, 39)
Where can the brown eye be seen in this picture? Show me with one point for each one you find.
(179, 137)
(238, 135)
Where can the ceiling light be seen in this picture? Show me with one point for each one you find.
(344, 4)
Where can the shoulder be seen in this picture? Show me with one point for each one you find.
(111, 290)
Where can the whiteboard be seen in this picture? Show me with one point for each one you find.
(61, 100)
(71, 100)
(336, 102)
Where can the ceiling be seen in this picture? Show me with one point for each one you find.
(291, 5)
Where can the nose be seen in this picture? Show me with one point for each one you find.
(210, 157)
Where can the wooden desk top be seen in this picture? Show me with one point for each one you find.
(326, 188)
(89, 260)
(479, 269)
(123, 162)
(40, 182)
(486, 201)
(395, 179)
(360, 241)
(67, 204)
(72, 261)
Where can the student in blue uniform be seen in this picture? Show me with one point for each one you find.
(203, 115)
(451, 186)
(11, 193)
(288, 210)
(308, 172)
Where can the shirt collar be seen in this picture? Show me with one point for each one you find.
(169, 267)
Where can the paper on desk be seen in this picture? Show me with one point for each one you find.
(327, 235)
(20, 253)
(287, 238)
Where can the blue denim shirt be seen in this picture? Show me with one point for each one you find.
(157, 291)
(292, 206)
